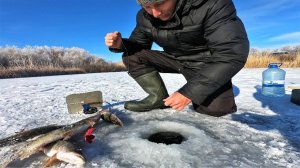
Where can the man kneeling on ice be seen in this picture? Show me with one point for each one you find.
(202, 39)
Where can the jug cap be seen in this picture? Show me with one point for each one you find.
(275, 65)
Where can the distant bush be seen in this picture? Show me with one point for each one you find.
(44, 60)
(288, 55)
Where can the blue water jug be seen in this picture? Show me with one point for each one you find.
(273, 80)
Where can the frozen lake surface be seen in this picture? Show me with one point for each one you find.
(264, 132)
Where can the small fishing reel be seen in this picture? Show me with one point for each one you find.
(88, 109)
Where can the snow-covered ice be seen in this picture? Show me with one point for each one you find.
(264, 132)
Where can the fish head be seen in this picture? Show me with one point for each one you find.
(110, 117)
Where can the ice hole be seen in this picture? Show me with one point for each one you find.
(166, 138)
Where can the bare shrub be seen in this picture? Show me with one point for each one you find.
(4, 61)
(44, 60)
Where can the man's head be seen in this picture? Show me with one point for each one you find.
(160, 9)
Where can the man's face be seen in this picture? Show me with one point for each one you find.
(162, 10)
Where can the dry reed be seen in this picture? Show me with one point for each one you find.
(262, 60)
(16, 72)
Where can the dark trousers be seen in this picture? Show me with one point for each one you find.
(220, 103)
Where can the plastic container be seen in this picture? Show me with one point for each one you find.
(273, 81)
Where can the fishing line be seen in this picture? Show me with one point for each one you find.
(126, 51)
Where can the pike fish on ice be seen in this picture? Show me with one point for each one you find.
(63, 133)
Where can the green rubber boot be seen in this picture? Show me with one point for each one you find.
(155, 87)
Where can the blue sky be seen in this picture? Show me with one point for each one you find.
(84, 23)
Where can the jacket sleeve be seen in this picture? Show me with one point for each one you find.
(229, 46)
(138, 39)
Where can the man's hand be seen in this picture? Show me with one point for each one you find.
(113, 40)
(177, 101)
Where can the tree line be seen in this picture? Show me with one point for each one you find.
(44, 60)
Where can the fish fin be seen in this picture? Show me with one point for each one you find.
(71, 157)
(51, 161)
(67, 137)
(21, 131)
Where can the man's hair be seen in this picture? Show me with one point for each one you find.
(143, 2)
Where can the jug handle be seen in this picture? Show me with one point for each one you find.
(277, 63)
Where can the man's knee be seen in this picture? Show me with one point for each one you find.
(131, 58)
(137, 63)
(220, 106)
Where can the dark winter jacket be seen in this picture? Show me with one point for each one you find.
(203, 34)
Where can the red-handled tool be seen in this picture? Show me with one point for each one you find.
(88, 136)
